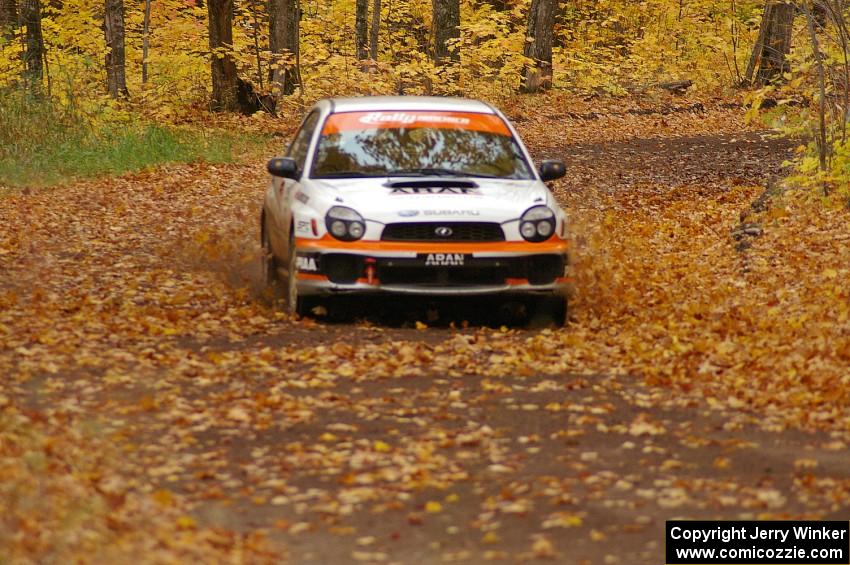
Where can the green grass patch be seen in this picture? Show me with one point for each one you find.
(43, 143)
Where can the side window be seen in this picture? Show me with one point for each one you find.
(301, 144)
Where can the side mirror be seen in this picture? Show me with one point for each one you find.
(552, 170)
(284, 167)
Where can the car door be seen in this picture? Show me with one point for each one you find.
(284, 189)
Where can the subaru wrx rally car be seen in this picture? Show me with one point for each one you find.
(412, 195)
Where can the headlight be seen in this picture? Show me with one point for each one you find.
(345, 224)
(537, 224)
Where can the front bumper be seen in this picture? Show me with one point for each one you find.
(327, 268)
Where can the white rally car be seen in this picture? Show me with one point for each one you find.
(412, 195)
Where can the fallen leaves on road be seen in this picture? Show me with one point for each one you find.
(130, 308)
(63, 497)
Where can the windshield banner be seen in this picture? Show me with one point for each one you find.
(348, 121)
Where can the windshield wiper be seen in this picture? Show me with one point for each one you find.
(483, 176)
(434, 172)
(422, 172)
(344, 175)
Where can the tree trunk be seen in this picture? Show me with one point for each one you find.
(34, 54)
(284, 17)
(822, 143)
(222, 66)
(255, 33)
(773, 43)
(146, 35)
(8, 17)
(538, 46)
(116, 78)
(446, 29)
(361, 29)
(376, 26)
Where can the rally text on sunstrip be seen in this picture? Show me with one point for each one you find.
(757, 542)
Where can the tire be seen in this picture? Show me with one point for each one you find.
(270, 265)
(562, 311)
(550, 310)
(295, 304)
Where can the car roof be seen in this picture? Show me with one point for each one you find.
(402, 103)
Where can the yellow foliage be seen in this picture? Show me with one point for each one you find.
(612, 45)
(617, 44)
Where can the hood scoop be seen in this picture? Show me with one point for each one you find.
(432, 183)
(432, 187)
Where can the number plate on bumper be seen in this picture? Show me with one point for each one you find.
(445, 259)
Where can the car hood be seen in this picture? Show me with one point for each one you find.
(439, 199)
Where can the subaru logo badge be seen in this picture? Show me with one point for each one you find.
(408, 213)
(443, 231)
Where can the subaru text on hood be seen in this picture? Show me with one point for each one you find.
(412, 195)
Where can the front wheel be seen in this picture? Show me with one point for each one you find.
(295, 304)
(550, 310)
(270, 265)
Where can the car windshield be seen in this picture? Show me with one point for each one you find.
(380, 144)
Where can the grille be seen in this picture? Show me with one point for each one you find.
(544, 269)
(427, 231)
(342, 268)
(462, 276)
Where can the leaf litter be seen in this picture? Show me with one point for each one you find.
(145, 371)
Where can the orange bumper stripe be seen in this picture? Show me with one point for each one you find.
(554, 245)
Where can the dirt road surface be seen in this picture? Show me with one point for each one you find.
(133, 306)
